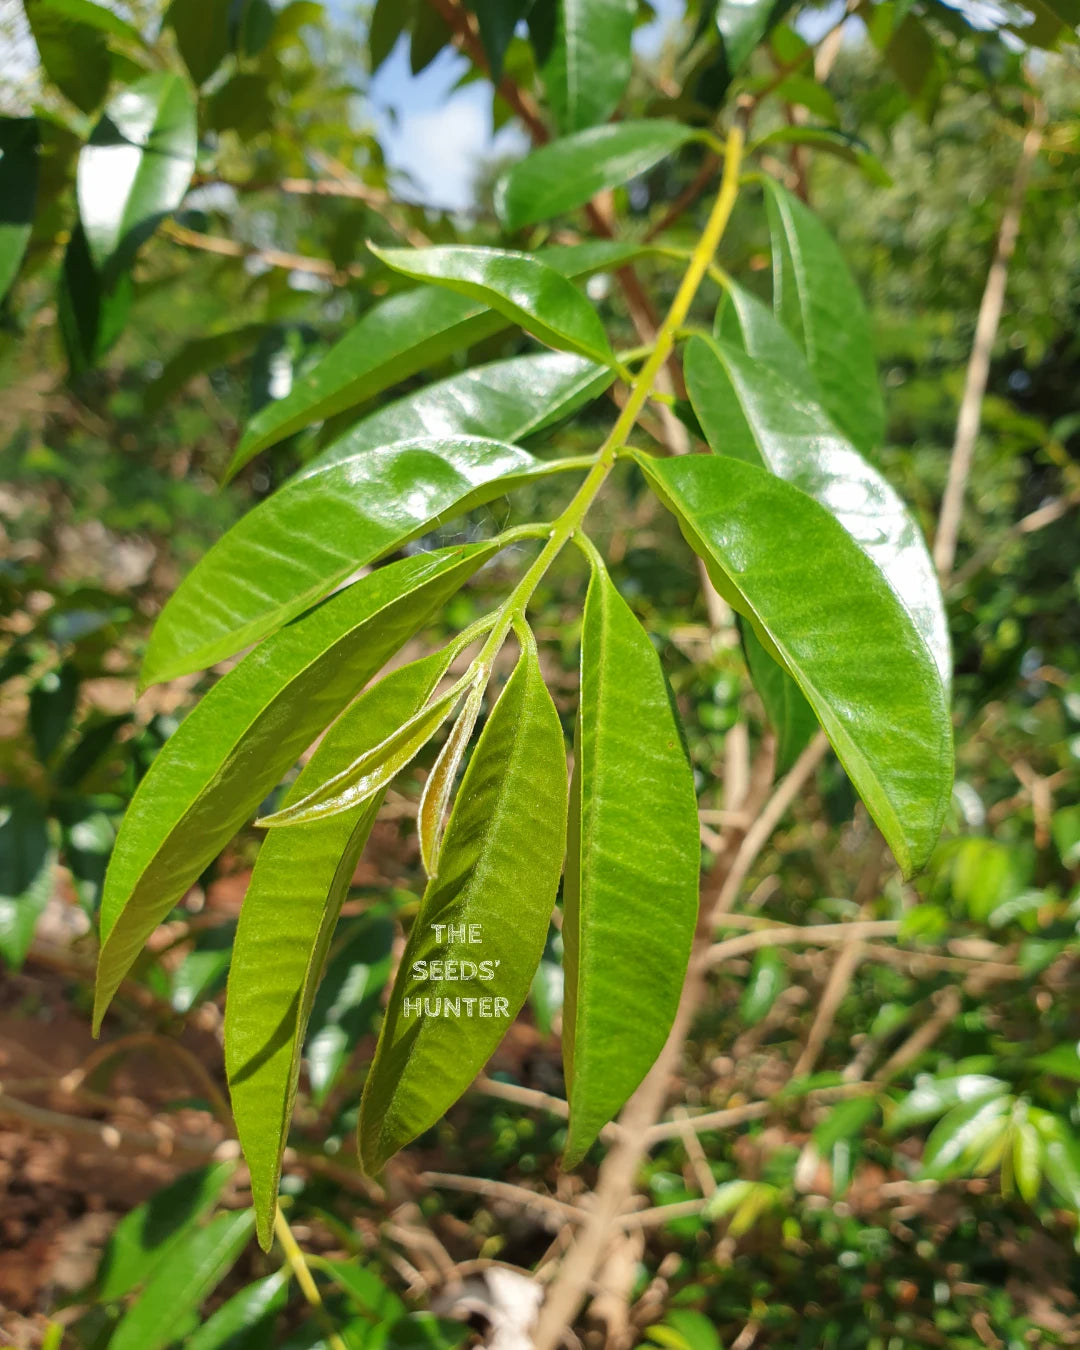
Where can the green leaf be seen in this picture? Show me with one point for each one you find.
(284, 556)
(92, 310)
(195, 1268)
(1063, 1062)
(1065, 830)
(832, 141)
(686, 1330)
(742, 24)
(844, 1121)
(1061, 1158)
(389, 19)
(201, 973)
(630, 899)
(74, 55)
(825, 612)
(1027, 1160)
(747, 408)
(397, 338)
(768, 979)
(589, 66)
(52, 705)
(247, 1319)
(365, 1289)
(287, 922)
(237, 742)
(27, 864)
(571, 171)
(348, 998)
(742, 320)
(958, 1138)
(242, 104)
(932, 1097)
(817, 299)
(202, 34)
(518, 285)
(195, 357)
(18, 192)
(136, 166)
(498, 876)
(787, 710)
(148, 1236)
(497, 20)
(99, 17)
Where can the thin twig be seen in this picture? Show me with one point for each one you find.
(978, 369)
(272, 257)
(502, 1190)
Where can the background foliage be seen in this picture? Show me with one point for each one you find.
(939, 1207)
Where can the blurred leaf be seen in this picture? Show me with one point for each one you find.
(590, 61)
(18, 192)
(146, 1238)
(959, 1136)
(932, 1097)
(366, 1290)
(845, 1121)
(742, 24)
(1065, 828)
(202, 34)
(389, 19)
(52, 705)
(74, 54)
(202, 971)
(684, 1329)
(497, 20)
(246, 1321)
(1061, 1158)
(832, 141)
(27, 862)
(768, 979)
(136, 167)
(1063, 1062)
(242, 104)
(195, 1268)
(91, 312)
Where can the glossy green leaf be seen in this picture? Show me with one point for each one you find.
(178, 1286)
(747, 408)
(148, 1236)
(932, 1097)
(959, 1137)
(743, 320)
(832, 141)
(136, 166)
(569, 172)
(246, 1321)
(630, 898)
(237, 742)
(589, 66)
(825, 612)
(27, 866)
(348, 998)
(284, 556)
(768, 980)
(518, 285)
(287, 922)
(397, 338)
(498, 876)
(816, 297)
(497, 20)
(74, 54)
(18, 192)
(790, 716)
(91, 310)
(202, 34)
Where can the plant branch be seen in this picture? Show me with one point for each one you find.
(272, 257)
(304, 1278)
(978, 369)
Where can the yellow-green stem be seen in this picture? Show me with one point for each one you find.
(570, 520)
(304, 1278)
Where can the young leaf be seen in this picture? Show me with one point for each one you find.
(815, 296)
(498, 875)
(287, 921)
(236, 743)
(518, 285)
(248, 1315)
(281, 558)
(571, 171)
(630, 898)
(146, 1238)
(397, 338)
(18, 192)
(747, 408)
(589, 67)
(178, 1286)
(440, 781)
(136, 166)
(824, 611)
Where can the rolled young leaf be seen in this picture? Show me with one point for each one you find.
(236, 743)
(589, 66)
(440, 781)
(288, 553)
(397, 338)
(630, 897)
(825, 612)
(816, 297)
(518, 285)
(748, 409)
(287, 921)
(18, 192)
(569, 172)
(136, 166)
(498, 876)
